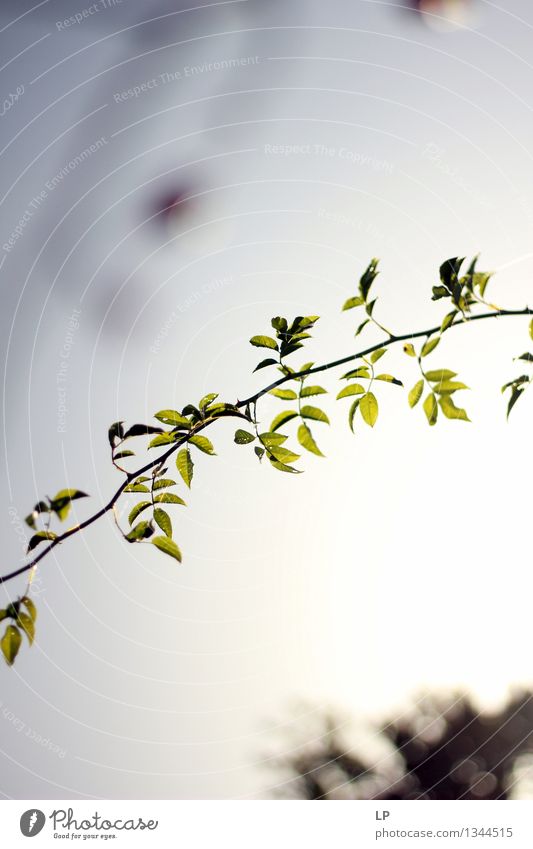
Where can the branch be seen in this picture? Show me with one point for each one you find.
(390, 340)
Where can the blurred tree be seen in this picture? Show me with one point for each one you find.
(444, 749)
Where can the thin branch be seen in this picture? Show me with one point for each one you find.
(252, 400)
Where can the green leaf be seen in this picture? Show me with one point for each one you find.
(353, 302)
(169, 498)
(308, 412)
(60, 504)
(416, 393)
(168, 546)
(242, 437)
(141, 430)
(116, 431)
(361, 327)
(368, 277)
(362, 371)
(202, 443)
(172, 417)
(3, 615)
(10, 644)
(39, 537)
(30, 607)
(515, 395)
(409, 349)
(431, 408)
(284, 394)
(207, 399)
(282, 467)
(377, 355)
(440, 292)
(531, 329)
(447, 321)
(369, 408)
(185, 465)
(268, 438)
(136, 487)
(352, 389)
(448, 387)
(282, 418)
(264, 342)
(352, 412)
(429, 346)
(163, 483)
(440, 374)
(264, 363)
(283, 454)
(449, 271)
(308, 391)
(122, 454)
(527, 357)
(305, 438)
(142, 505)
(481, 279)
(279, 324)
(450, 410)
(162, 439)
(388, 378)
(162, 518)
(259, 452)
(142, 530)
(25, 622)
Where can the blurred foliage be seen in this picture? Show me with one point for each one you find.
(443, 749)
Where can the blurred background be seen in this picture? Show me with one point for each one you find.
(172, 176)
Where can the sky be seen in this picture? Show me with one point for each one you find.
(299, 139)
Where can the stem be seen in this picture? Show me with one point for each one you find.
(252, 400)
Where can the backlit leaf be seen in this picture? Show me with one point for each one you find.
(10, 644)
(168, 546)
(264, 363)
(284, 394)
(440, 374)
(352, 389)
(305, 438)
(388, 378)
(162, 519)
(416, 393)
(135, 511)
(264, 342)
(185, 465)
(308, 391)
(172, 417)
(353, 302)
(282, 418)
(207, 399)
(163, 483)
(431, 408)
(169, 498)
(450, 410)
(352, 412)
(429, 346)
(308, 412)
(26, 624)
(202, 443)
(30, 607)
(39, 537)
(369, 408)
(242, 437)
